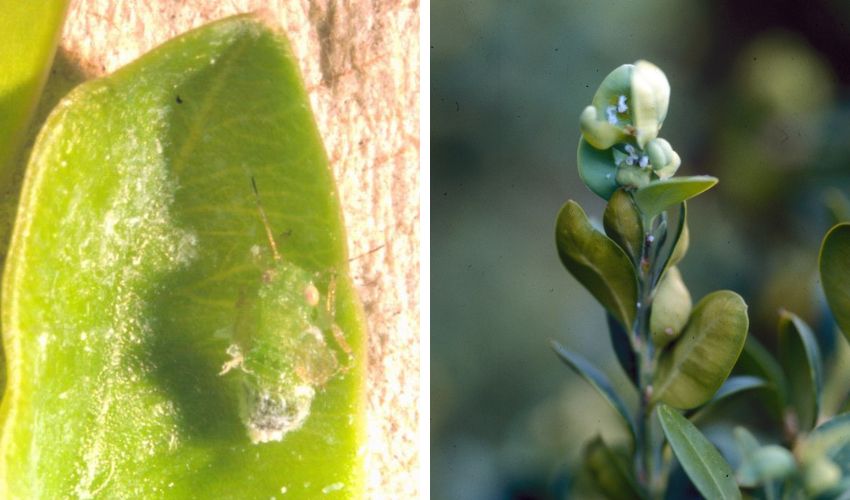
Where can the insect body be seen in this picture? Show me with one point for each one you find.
(279, 348)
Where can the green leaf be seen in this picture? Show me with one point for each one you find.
(682, 241)
(660, 195)
(756, 360)
(597, 379)
(831, 439)
(597, 263)
(800, 356)
(759, 466)
(767, 463)
(623, 225)
(834, 265)
(735, 384)
(610, 471)
(623, 348)
(710, 473)
(671, 309)
(29, 33)
(142, 295)
(650, 100)
(694, 367)
(596, 169)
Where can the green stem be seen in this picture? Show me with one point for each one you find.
(644, 466)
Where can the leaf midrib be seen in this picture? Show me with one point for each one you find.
(208, 100)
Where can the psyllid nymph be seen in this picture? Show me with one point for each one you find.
(282, 344)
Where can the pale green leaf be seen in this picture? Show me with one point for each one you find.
(29, 33)
(671, 308)
(662, 194)
(143, 286)
(623, 224)
(694, 367)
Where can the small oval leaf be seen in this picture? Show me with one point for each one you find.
(694, 367)
(597, 379)
(671, 308)
(708, 470)
(623, 224)
(805, 372)
(596, 169)
(660, 195)
(834, 263)
(597, 263)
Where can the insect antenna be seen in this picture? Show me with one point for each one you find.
(265, 220)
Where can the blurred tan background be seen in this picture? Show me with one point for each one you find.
(360, 62)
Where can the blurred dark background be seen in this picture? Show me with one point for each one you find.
(760, 99)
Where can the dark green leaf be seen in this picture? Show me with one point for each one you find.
(710, 473)
(660, 195)
(758, 361)
(800, 356)
(610, 471)
(623, 348)
(834, 265)
(141, 299)
(678, 246)
(736, 384)
(596, 168)
(693, 368)
(732, 386)
(597, 263)
(597, 379)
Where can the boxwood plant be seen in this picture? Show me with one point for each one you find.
(680, 356)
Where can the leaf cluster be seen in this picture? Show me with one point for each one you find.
(680, 356)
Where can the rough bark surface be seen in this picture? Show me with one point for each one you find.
(360, 61)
